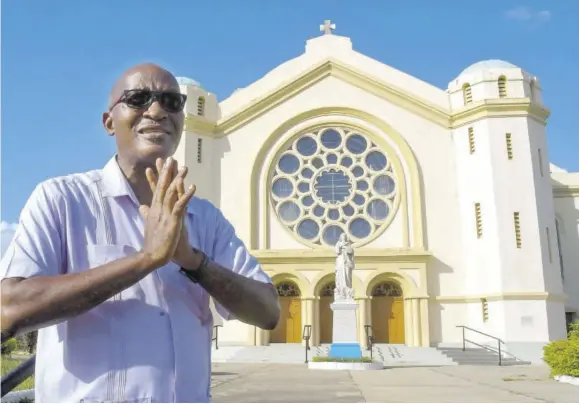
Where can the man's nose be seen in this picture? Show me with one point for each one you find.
(155, 111)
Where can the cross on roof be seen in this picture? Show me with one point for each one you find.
(327, 27)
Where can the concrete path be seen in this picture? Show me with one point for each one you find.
(453, 384)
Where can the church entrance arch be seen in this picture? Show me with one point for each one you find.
(326, 314)
(289, 327)
(388, 313)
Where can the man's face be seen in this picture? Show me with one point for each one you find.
(147, 133)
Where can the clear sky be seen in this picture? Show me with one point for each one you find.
(60, 58)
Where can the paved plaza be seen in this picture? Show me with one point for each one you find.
(455, 384)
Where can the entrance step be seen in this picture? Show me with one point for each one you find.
(273, 353)
(479, 356)
(402, 355)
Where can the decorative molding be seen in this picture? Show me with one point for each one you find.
(325, 255)
(444, 117)
(566, 191)
(495, 297)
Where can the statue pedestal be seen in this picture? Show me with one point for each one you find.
(345, 331)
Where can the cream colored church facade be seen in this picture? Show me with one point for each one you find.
(456, 215)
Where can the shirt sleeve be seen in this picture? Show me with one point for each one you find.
(230, 252)
(36, 248)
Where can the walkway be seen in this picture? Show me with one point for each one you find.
(458, 384)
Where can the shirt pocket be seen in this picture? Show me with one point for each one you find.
(93, 344)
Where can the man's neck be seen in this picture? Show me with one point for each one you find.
(134, 172)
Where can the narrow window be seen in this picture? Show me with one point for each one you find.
(478, 219)
(471, 140)
(509, 146)
(517, 223)
(549, 244)
(540, 156)
(502, 87)
(485, 309)
(532, 90)
(559, 247)
(201, 106)
(466, 93)
(199, 150)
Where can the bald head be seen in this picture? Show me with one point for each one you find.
(147, 124)
(141, 76)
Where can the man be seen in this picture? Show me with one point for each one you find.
(115, 266)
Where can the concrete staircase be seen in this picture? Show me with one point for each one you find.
(479, 357)
(401, 355)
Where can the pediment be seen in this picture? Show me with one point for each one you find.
(332, 68)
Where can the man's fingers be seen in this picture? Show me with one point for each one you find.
(181, 205)
(165, 180)
(151, 178)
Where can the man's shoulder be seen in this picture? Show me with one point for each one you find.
(68, 185)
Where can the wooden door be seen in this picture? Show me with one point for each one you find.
(388, 319)
(396, 321)
(326, 319)
(288, 329)
(381, 308)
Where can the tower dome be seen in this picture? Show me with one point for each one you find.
(488, 65)
(186, 81)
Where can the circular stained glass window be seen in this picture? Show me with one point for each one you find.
(332, 181)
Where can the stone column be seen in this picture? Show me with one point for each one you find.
(362, 321)
(408, 334)
(309, 317)
(425, 322)
(415, 322)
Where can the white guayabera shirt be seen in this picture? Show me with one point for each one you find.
(149, 343)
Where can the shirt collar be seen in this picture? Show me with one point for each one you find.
(115, 184)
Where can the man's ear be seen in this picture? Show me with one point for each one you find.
(108, 123)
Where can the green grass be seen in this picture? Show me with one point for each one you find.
(364, 359)
(9, 364)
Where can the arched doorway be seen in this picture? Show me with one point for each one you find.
(388, 313)
(326, 314)
(289, 328)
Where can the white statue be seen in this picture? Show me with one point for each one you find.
(344, 268)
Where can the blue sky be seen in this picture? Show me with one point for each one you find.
(59, 59)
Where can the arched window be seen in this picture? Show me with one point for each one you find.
(466, 93)
(288, 289)
(387, 289)
(502, 87)
(201, 106)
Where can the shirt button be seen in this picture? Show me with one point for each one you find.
(162, 313)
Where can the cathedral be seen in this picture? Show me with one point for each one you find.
(456, 216)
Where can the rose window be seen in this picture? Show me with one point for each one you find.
(333, 181)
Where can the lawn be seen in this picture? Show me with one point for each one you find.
(9, 364)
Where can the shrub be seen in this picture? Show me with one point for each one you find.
(10, 346)
(563, 356)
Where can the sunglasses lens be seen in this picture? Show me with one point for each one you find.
(138, 99)
(172, 102)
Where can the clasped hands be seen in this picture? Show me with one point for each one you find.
(166, 235)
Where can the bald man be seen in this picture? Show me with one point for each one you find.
(115, 267)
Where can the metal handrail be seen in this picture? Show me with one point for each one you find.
(306, 337)
(464, 341)
(370, 339)
(17, 375)
(216, 337)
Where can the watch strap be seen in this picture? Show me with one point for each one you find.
(193, 275)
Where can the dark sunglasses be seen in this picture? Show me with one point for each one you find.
(138, 99)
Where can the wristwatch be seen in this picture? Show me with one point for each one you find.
(193, 274)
